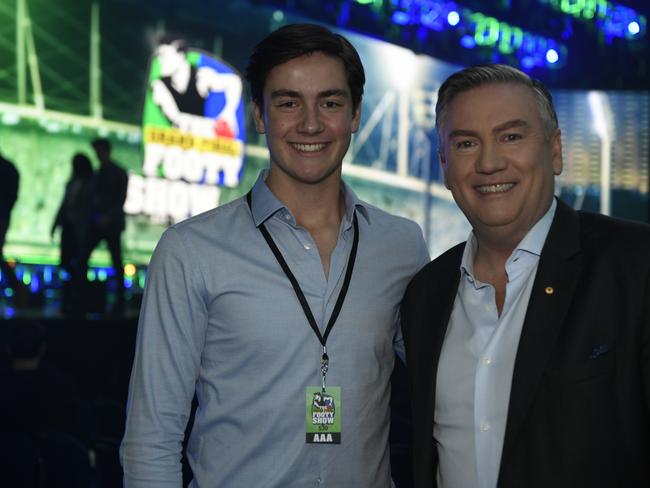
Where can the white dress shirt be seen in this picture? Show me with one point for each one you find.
(476, 364)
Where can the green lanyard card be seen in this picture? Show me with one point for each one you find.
(323, 415)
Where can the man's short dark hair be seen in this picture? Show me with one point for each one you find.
(295, 40)
(488, 74)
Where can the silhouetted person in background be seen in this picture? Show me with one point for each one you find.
(73, 216)
(107, 212)
(8, 194)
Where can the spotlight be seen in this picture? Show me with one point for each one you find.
(633, 28)
(552, 56)
(453, 18)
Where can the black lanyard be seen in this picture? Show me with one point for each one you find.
(301, 295)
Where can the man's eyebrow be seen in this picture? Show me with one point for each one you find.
(285, 93)
(511, 124)
(462, 133)
(335, 92)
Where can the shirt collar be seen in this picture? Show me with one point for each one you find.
(533, 241)
(265, 203)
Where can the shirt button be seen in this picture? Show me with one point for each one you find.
(307, 247)
(485, 426)
(487, 361)
(318, 481)
(287, 217)
(488, 308)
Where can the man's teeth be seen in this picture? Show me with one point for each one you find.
(495, 188)
(308, 147)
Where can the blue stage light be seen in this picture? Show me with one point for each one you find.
(47, 275)
(9, 312)
(453, 18)
(468, 41)
(400, 18)
(552, 56)
(527, 62)
(9, 292)
(633, 28)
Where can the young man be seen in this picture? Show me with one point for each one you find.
(279, 309)
(528, 346)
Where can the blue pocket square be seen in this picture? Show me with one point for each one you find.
(599, 350)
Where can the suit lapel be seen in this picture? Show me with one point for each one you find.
(558, 271)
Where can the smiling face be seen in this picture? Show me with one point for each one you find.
(499, 161)
(308, 120)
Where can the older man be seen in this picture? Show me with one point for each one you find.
(529, 345)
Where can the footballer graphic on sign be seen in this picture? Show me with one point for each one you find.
(193, 134)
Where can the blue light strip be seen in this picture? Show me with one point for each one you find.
(613, 19)
(477, 29)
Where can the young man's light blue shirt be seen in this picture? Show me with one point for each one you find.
(219, 317)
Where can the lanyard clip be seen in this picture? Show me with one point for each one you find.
(324, 365)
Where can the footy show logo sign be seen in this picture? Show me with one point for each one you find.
(193, 135)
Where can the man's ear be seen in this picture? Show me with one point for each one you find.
(356, 118)
(258, 117)
(556, 152)
(443, 164)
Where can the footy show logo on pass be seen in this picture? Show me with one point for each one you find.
(193, 135)
(323, 419)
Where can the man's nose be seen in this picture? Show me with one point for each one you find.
(489, 160)
(311, 122)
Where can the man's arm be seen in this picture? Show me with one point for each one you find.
(171, 331)
(422, 257)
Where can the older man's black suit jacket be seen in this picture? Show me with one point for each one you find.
(579, 411)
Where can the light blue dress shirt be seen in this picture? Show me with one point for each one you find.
(476, 365)
(219, 317)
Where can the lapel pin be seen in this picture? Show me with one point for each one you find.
(549, 290)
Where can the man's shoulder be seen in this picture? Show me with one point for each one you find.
(220, 215)
(396, 223)
(442, 269)
(207, 232)
(601, 231)
(605, 223)
(8, 168)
